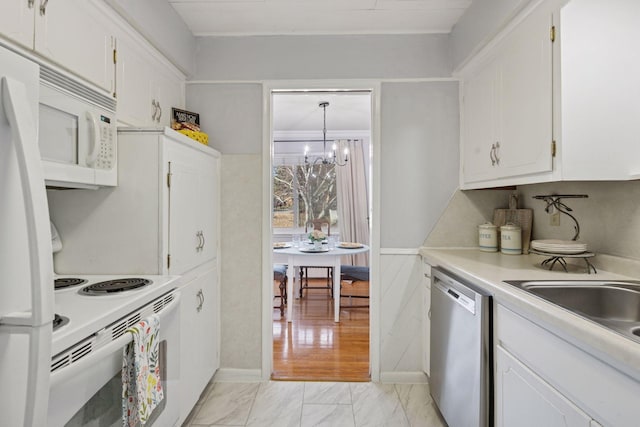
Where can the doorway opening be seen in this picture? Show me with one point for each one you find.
(321, 178)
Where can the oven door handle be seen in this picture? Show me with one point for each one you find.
(88, 361)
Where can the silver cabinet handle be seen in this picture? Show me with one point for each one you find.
(199, 246)
(203, 241)
(200, 296)
(156, 114)
(153, 105)
(159, 111)
(491, 153)
(30, 4)
(496, 152)
(43, 7)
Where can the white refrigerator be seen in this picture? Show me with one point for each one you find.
(26, 265)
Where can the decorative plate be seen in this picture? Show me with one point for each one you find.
(350, 245)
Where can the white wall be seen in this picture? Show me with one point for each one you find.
(241, 287)
(481, 21)
(609, 219)
(419, 140)
(322, 57)
(231, 114)
(419, 159)
(162, 27)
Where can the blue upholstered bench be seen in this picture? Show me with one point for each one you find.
(355, 273)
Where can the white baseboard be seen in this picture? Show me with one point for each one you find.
(231, 375)
(390, 377)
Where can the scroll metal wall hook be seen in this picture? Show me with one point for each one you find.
(554, 201)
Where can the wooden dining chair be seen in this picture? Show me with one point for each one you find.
(324, 226)
(280, 275)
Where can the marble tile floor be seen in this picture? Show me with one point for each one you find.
(331, 404)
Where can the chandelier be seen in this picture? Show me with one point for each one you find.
(328, 157)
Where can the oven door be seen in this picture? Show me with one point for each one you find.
(88, 392)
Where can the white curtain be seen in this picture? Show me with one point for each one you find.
(351, 182)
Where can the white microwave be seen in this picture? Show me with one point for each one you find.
(77, 135)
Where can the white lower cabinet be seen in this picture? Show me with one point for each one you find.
(199, 339)
(523, 399)
(542, 379)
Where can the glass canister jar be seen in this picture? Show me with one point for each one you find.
(488, 237)
(511, 239)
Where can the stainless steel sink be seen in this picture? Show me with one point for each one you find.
(613, 304)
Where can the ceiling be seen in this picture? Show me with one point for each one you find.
(271, 17)
(298, 117)
(293, 112)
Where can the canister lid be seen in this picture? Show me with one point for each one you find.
(510, 227)
(487, 226)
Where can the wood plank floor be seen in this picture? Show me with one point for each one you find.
(315, 348)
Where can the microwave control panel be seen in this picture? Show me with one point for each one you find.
(107, 149)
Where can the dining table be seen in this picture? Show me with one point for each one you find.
(305, 255)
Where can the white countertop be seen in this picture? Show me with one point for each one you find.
(489, 270)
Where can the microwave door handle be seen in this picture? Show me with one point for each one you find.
(95, 139)
(25, 137)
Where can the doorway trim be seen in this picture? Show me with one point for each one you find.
(268, 88)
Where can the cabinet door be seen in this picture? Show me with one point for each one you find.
(208, 320)
(167, 91)
(600, 90)
(426, 317)
(185, 240)
(208, 188)
(189, 347)
(198, 338)
(480, 106)
(75, 34)
(524, 399)
(132, 83)
(507, 106)
(17, 21)
(525, 90)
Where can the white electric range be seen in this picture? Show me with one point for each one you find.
(85, 384)
(88, 313)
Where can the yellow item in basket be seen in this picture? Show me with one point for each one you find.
(201, 137)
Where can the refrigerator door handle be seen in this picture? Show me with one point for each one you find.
(23, 129)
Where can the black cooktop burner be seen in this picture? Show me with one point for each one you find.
(113, 286)
(59, 321)
(67, 282)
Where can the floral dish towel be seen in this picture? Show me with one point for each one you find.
(141, 386)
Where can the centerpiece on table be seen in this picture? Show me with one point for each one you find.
(316, 237)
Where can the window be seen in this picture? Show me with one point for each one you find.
(302, 193)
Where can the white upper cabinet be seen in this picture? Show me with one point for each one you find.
(507, 105)
(17, 21)
(76, 35)
(146, 86)
(600, 101)
(73, 34)
(534, 110)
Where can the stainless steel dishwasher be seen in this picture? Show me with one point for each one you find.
(461, 362)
